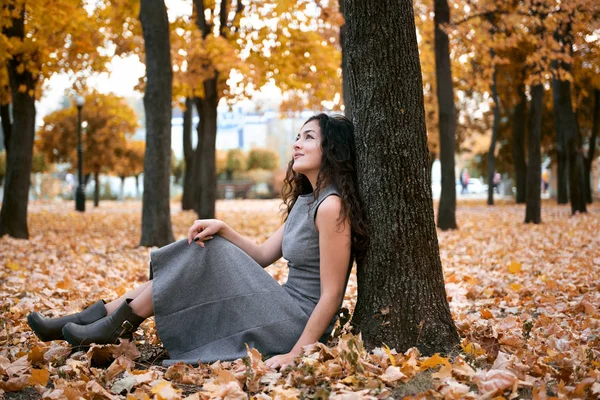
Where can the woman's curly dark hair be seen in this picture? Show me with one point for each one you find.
(338, 168)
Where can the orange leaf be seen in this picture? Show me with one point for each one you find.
(39, 377)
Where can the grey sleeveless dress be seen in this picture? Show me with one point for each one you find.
(210, 302)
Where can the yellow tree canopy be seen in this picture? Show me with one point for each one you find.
(60, 37)
(290, 43)
(130, 159)
(110, 120)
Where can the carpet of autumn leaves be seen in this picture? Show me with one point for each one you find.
(525, 300)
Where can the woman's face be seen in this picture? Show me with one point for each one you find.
(307, 150)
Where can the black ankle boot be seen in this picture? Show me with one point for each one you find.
(48, 329)
(122, 323)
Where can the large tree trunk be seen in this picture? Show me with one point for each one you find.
(519, 146)
(592, 148)
(6, 124)
(534, 180)
(401, 297)
(156, 214)
(446, 118)
(13, 217)
(495, 127)
(205, 171)
(187, 200)
(345, 87)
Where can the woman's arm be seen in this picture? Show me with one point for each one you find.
(334, 250)
(264, 254)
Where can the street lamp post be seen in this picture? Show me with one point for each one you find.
(80, 192)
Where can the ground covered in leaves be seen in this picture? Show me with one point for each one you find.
(525, 300)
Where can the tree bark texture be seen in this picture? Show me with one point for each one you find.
(205, 172)
(13, 217)
(401, 297)
(519, 146)
(96, 188)
(6, 124)
(495, 127)
(446, 218)
(156, 214)
(345, 87)
(534, 179)
(187, 200)
(592, 148)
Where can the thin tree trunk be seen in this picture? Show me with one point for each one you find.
(187, 200)
(562, 136)
(205, 171)
(345, 87)
(156, 214)
(446, 118)
(96, 189)
(592, 148)
(534, 180)
(401, 297)
(566, 129)
(519, 146)
(137, 187)
(13, 217)
(577, 173)
(6, 124)
(122, 190)
(495, 127)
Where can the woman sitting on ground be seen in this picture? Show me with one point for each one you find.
(210, 294)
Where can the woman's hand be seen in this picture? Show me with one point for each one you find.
(204, 229)
(281, 361)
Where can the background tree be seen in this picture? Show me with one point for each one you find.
(236, 161)
(156, 214)
(224, 52)
(40, 39)
(263, 159)
(447, 117)
(129, 162)
(110, 121)
(401, 297)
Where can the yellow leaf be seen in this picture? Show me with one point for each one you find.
(515, 286)
(39, 377)
(13, 266)
(472, 349)
(22, 88)
(514, 267)
(434, 361)
(390, 355)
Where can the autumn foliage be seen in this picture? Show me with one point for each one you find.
(110, 121)
(521, 296)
